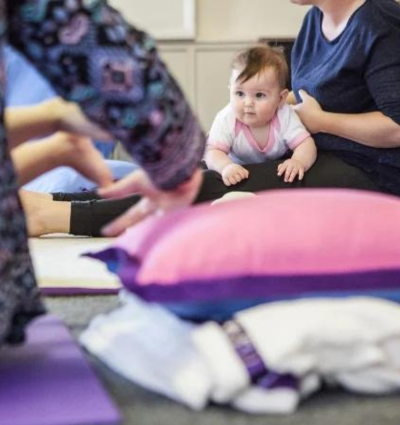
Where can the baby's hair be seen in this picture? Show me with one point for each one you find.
(255, 59)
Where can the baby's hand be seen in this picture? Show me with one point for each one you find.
(291, 168)
(233, 174)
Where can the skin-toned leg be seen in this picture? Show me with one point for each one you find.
(43, 215)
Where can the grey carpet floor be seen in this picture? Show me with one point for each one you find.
(141, 407)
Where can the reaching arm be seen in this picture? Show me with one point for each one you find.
(216, 159)
(116, 76)
(306, 153)
(303, 158)
(24, 123)
(219, 161)
(33, 159)
(27, 122)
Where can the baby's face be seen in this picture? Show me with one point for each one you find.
(255, 101)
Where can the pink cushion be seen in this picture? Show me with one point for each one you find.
(276, 245)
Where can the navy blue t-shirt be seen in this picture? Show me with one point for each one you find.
(359, 71)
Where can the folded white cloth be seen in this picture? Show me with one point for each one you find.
(280, 400)
(150, 346)
(266, 360)
(354, 342)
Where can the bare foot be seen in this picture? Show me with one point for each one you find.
(43, 215)
(233, 196)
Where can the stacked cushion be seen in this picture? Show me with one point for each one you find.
(209, 262)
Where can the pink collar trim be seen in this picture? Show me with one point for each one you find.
(273, 128)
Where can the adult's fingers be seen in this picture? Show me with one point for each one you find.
(93, 166)
(95, 132)
(303, 94)
(134, 215)
(132, 183)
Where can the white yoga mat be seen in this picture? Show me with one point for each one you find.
(60, 268)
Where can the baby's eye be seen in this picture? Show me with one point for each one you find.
(239, 93)
(260, 95)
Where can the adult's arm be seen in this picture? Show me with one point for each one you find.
(60, 149)
(380, 128)
(373, 129)
(35, 121)
(23, 123)
(93, 57)
(216, 159)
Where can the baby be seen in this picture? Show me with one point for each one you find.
(257, 124)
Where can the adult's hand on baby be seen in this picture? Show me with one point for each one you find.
(291, 168)
(154, 200)
(233, 174)
(310, 112)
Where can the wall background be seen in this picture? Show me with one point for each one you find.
(201, 64)
(218, 20)
(243, 20)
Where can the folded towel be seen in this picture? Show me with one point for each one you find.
(149, 345)
(265, 360)
(353, 342)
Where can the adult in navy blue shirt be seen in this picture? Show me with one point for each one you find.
(347, 60)
(346, 84)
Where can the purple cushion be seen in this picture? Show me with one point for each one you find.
(277, 245)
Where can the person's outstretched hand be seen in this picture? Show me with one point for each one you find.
(154, 200)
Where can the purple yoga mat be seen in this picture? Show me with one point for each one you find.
(48, 381)
(72, 290)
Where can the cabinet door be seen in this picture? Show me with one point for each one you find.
(213, 66)
(163, 19)
(179, 59)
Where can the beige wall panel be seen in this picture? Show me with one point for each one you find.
(212, 78)
(201, 67)
(180, 63)
(163, 19)
(214, 20)
(242, 20)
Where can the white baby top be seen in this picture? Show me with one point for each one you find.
(236, 139)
